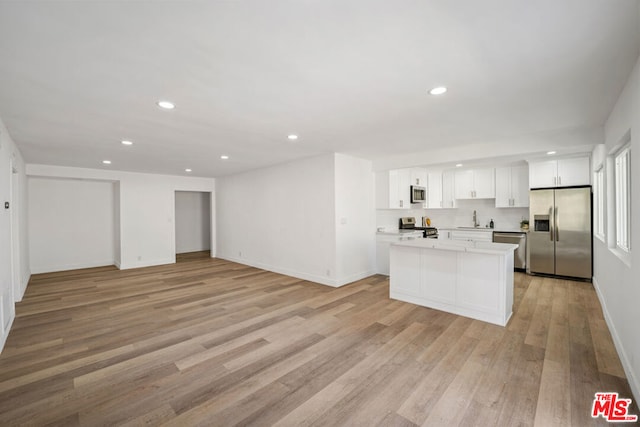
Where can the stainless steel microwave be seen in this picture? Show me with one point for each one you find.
(418, 194)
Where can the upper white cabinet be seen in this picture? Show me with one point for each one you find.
(512, 187)
(393, 189)
(448, 186)
(475, 184)
(434, 190)
(418, 177)
(560, 172)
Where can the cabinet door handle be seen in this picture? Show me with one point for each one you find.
(401, 202)
(554, 180)
(440, 203)
(559, 180)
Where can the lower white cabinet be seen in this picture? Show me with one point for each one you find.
(476, 235)
(476, 284)
(384, 241)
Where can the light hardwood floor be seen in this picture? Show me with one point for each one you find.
(210, 342)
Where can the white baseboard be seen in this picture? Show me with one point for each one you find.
(628, 368)
(355, 277)
(5, 335)
(65, 267)
(152, 263)
(23, 286)
(288, 272)
(323, 280)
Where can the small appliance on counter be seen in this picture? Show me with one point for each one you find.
(409, 223)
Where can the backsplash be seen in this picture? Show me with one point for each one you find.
(460, 217)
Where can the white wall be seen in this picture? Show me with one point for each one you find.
(193, 221)
(288, 218)
(616, 281)
(280, 218)
(147, 210)
(71, 224)
(14, 262)
(354, 218)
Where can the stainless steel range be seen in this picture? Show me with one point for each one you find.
(409, 223)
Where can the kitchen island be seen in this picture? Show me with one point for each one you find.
(472, 279)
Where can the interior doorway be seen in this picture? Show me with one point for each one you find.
(193, 224)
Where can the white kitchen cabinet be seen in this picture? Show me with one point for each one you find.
(393, 189)
(434, 190)
(472, 279)
(479, 235)
(512, 187)
(448, 190)
(560, 172)
(384, 241)
(475, 184)
(575, 171)
(466, 234)
(418, 177)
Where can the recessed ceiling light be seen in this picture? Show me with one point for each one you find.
(551, 153)
(187, 170)
(167, 105)
(459, 165)
(438, 90)
(223, 157)
(292, 137)
(125, 142)
(106, 162)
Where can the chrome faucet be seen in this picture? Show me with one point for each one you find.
(475, 220)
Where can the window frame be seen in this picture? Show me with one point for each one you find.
(622, 198)
(599, 207)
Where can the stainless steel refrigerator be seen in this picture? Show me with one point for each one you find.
(560, 241)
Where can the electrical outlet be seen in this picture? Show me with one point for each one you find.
(139, 258)
(328, 273)
(240, 254)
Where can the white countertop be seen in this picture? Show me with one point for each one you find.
(397, 232)
(460, 246)
(498, 229)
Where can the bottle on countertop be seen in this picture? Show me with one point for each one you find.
(491, 223)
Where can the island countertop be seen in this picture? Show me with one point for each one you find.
(461, 246)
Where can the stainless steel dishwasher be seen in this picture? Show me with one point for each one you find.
(516, 238)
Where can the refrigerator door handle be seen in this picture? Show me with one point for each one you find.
(556, 224)
(551, 225)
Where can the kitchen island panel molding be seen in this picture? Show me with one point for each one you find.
(468, 280)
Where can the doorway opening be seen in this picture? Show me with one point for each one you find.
(193, 225)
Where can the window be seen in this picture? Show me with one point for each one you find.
(622, 176)
(598, 203)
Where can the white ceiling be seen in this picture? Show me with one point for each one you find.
(347, 76)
